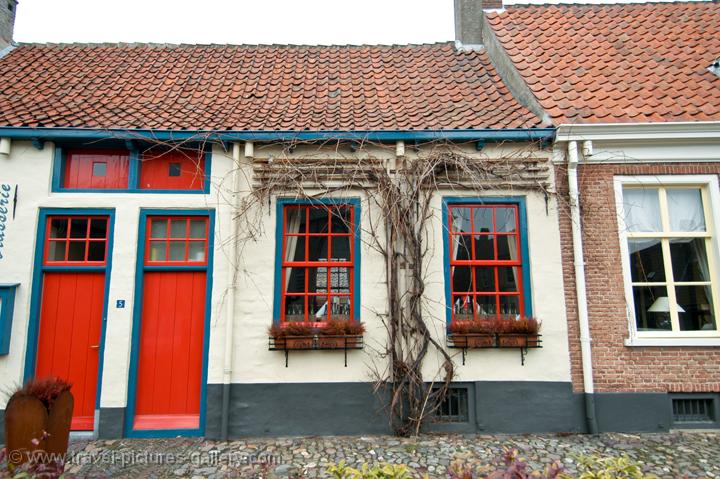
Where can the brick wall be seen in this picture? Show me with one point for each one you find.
(617, 367)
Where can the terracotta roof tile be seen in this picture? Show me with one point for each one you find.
(255, 88)
(617, 62)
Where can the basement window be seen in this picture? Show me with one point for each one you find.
(454, 407)
(691, 410)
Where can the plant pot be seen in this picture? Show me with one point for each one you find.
(337, 342)
(514, 340)
(36, 432)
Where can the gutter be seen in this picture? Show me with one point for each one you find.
(496, 135)
(580, 290)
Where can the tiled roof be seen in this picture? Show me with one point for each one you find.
(619, 62)
(222, 87)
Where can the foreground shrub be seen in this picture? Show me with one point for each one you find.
(595, 467)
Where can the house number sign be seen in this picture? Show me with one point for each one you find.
(5, 190)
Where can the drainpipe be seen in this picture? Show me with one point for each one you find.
(230, 295)
(580, 290)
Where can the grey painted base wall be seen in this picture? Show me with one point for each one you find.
(353, 409)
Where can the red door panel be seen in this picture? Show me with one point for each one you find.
(171, 350)
(69, 339)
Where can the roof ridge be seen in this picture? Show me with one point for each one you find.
(607, 3)
(227, 45)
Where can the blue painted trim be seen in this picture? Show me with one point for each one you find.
(524, 250)
(7, 307)
(279, 221)
(140, 269)
(37, 281)
(511, 134)
(133, 177)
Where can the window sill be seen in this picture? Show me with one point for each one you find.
(672, 342)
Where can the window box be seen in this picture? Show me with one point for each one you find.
(473, 341)
(518, 340)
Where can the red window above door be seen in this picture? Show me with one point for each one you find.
(76, 240)
(485, 261)
(176, 240)
(179, 169)
(96, 169)
(317, 263)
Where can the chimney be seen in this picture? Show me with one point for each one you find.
(469, 20)
(7, 21)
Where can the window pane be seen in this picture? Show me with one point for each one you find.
(461, 279)
(485, 279)
(174, 169)
(461, 220)
(340, 307)
(486, 305)
(56, 251)
(294, 220)
(96, 251)
(507, 247)
(695, 308)
(158, 229)
(341, 248)
(58, 228)
(196, 251)
(642, 209)
(510, 305)
(295, 280)
(463, 307)
(295, 308)
(158, 251)
(319, 220)
(295, 248)
(341, 222)
(646, 260)
(685, 209)
(689, 259)
(505, 220)
(484, 247)
(340, 280)
(98, 228)
(652, 308)
(197, 228)
(178, 228)
(483, 221)
(508, 279)
(78, 228)
(318, 308)
(177, 250)
(99, 168)
(461, 247)
(318, 248)
(76, 251)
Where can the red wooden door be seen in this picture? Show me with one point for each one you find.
(171, 350)
(69, 338)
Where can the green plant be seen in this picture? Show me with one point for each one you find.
(342, 328)
(385, 471)
(481, 326)
(595, 467)
(355, 328)
(518, 326)
(290, 329)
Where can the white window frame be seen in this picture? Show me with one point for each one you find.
(711, 201)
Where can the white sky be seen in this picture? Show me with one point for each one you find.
(239, 21)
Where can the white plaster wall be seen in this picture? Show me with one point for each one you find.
(31, 170)
(253, 362)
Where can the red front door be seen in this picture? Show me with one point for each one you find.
(72, 307)
(170, 359)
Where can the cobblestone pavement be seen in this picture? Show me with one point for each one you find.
(691, 454)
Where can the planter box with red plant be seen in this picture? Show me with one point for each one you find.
(292, 336)
(340, 334)
(518, 333)
(37, 425)
(473, 334)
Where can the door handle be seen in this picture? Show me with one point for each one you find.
(94, 346)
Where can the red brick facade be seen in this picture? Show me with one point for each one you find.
(618, 368)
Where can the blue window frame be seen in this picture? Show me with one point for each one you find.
(486, 260)
(328, 285)
(133, 174)
(7, 303)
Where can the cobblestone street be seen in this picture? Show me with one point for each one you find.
(691, 454)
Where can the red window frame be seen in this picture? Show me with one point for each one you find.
(68, 239)
(167, 239)
(78, 168)
(328, 264)
(494, 263)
